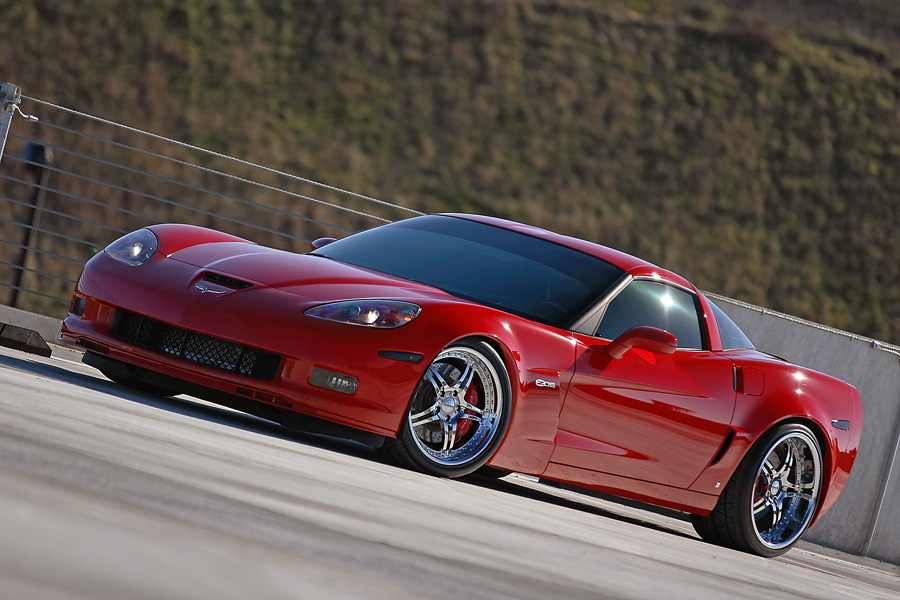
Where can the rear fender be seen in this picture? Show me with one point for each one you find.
(793, 394)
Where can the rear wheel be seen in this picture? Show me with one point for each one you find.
(772, 496)
(458, 414)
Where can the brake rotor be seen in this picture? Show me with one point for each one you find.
(434, 433)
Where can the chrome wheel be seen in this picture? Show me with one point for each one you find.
(458, 413)
(455, 416)
(786, 490)
(772, 496)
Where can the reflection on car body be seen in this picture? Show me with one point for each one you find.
(460, 343)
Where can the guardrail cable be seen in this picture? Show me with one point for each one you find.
(229, 158)
(59, 213)
(194, 187)
(55, 234)
(156, 198)
(35, 292)
(65, 194)
(36, 272)
(44, 252)
(101, 176)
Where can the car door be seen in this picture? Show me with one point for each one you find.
(647, 415)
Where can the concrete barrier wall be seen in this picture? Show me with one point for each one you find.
(866, 518)
(47, 327)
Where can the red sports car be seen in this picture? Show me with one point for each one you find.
(459, 343)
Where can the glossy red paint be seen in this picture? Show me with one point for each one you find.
(263, 317)
(713, 337)
(270, 317)
(646, 416)
(174, 237)
(792, 394)
(651, 426)
(642, 338)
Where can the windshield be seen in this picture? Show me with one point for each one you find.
(503, 269)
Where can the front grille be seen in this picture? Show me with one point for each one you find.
(195, 347)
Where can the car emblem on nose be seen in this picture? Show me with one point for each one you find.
(205, 288)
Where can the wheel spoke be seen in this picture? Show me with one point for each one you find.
(795, 493)
(789, 460)
(465, 380)
(449, 436)
(801, 496)
(436, 380)
(474, 418)
(759, 506)
(775, 505)
(432, 410)
(425, 421)
(463, 405)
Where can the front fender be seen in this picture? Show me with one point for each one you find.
(537, 358)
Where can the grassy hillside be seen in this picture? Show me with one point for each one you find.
(755, 149)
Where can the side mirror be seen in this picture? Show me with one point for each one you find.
(321, 242)
(644, 337)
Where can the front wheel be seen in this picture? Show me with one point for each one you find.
(458, 413)
(772, 496)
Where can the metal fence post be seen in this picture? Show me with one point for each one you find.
(40, 156)
(10, 96)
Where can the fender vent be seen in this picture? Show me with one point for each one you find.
(729, 437)
(195, 347)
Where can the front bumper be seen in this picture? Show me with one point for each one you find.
(206, 339)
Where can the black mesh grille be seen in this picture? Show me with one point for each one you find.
(195, 347)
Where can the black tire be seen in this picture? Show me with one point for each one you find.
(706, 529)
(772, 496)
(457, 415)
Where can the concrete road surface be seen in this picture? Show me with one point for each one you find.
(112, 493)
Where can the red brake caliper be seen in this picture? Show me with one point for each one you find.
(762, 487)
(463, 425)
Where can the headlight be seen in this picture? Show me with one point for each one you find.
(382, 314)
(134, 249)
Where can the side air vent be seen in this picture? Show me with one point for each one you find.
(235, 284)
(729, 437)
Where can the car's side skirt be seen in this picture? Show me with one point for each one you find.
(644, 491)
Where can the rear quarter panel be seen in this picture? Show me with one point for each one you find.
(791, 393)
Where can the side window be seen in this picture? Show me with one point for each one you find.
(732, 336)
(653, 303)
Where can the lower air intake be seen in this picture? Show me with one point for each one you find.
(195, 347)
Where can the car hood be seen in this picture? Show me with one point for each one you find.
(314, 278)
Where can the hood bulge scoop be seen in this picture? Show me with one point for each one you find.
(313, 277)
